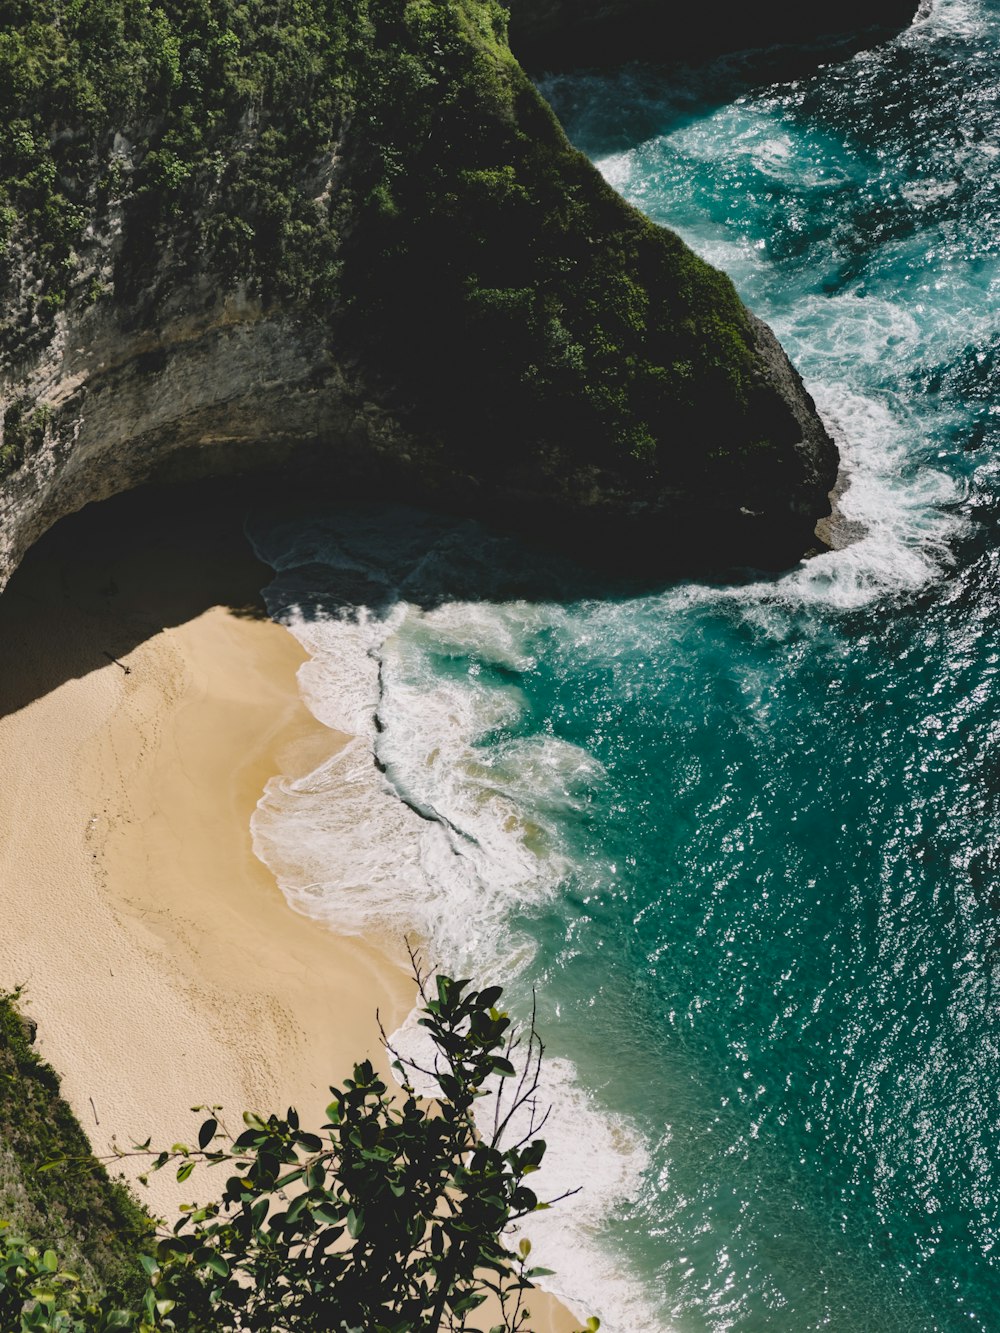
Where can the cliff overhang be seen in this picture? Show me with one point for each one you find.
(396, 271)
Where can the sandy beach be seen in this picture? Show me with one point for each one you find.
(157, 954)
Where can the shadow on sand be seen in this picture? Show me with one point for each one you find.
(108, 578)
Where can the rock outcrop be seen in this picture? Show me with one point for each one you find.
(563, 34)
(392, 268)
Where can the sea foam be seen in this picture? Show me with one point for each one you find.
(416, 827)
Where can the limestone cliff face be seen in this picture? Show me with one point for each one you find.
(419, 285)
(561, 34)
(217, 386)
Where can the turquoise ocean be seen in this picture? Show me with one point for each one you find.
(740, 838)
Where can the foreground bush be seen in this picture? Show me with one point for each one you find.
(390, 1220)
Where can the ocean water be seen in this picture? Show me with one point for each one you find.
(741, 839)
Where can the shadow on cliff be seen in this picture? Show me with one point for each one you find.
(619, 104)
(699, 66)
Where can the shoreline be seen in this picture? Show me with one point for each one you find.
(161, 961)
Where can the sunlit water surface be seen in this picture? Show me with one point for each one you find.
(740, 839)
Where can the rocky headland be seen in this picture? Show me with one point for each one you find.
(358, 242)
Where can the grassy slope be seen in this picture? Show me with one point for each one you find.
(91, 1220)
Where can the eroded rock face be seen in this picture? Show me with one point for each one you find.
(223, 388)
(456, 306)
(561, 34)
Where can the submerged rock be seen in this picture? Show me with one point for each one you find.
(354, 240)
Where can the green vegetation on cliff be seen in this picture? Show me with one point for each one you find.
(386, 167)
(92, 1221)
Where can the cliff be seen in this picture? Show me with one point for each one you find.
(94, 1221)
(352, 236)
(562, 34)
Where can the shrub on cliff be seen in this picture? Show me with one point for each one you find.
(390, 1221)
(91, 1220)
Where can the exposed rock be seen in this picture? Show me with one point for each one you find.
(455, 305)
(562, 34)
(225, 388)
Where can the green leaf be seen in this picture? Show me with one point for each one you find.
(355, 1223)
(207, 1132)
(297, 1207)
(184, 1170)
(468, 1302)
(532, 1154)
(168, 1248)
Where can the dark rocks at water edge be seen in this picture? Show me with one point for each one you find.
(395, 272)
(564, 34)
